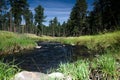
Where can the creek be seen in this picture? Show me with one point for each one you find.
(48, 56)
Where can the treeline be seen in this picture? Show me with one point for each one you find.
(104, 17)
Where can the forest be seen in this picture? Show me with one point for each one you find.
(105, 17)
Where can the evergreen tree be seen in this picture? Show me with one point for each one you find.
(55, 26)
(78, 18)
(51, 28)
(105, 16)
(17, 8)
(3, 14)
(63, 29)
(59, 29)
(39, 18)
(95, 20)
(28, 16)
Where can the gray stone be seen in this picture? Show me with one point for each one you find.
(25, 75)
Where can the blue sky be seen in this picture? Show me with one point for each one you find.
(56, 8)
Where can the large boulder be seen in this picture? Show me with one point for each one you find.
(25, 75)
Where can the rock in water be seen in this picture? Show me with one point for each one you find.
(38, 47)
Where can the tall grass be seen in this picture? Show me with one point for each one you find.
(105, 41)
(105, 68)
(7, 70)
(107, 64)
(11, 42)
(78, 70)
(94, 42)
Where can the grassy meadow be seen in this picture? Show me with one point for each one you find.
(105, 66)
(11, 42)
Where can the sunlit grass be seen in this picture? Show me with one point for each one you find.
(7, 70)
(105, 65)
(78, 70)
(103, 40)
(95, 42)
(9, 42)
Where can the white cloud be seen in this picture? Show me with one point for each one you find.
(56, 13)
(53, 8)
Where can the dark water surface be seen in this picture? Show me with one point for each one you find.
(50, 55)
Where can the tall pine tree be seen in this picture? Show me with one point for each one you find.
(39, 19)
(17, 9)
(78, 18)
(28, 16)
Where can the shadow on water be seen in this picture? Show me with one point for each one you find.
(49, 56)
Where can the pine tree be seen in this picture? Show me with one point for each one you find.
(63, 29)
(28, 16)
(105, 16)
(17, 9)
(39, 18)
(3, 14)
(55, 26)
(78, 18)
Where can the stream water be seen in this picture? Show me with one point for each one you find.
(49, 56)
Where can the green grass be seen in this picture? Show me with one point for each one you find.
(7, 70)
(11, 42)
(94, 42)
(78, 70)
(105, 65)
